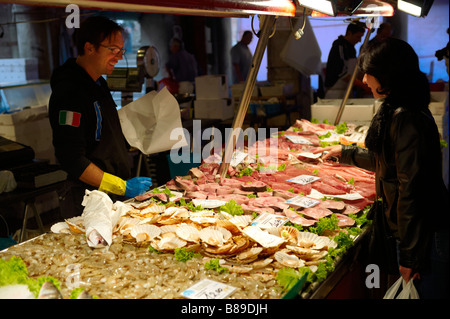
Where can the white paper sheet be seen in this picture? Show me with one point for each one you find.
(152, 123)
(97, 218)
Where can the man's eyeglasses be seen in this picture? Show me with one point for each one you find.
(115, 51)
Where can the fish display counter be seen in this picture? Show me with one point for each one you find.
(279, 225)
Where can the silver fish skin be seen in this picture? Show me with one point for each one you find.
(49, 291)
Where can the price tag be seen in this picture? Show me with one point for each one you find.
(303, 201)
(208, 289)
(208, 203)
(298, 139)
(267, 220)
(349, 196)
(237, 158)
(304, 179)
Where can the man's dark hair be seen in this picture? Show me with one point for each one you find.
(94, 30)
(355, 27)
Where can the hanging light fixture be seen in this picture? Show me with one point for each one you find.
(327, 7)
(418, 8)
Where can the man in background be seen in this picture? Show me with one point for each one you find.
(241, 58)
(342, 62)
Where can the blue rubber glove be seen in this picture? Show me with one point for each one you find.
(137, 186)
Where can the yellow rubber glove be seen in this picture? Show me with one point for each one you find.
(112, 184)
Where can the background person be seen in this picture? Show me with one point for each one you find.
(182, 65)
(403, 149)
(342, 61)
(384, 31)
(87, 136)
(241, 58)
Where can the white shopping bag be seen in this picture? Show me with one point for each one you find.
(408, 291)
(152, 123)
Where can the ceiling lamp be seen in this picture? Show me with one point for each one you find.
(418, 8)
(327, 7)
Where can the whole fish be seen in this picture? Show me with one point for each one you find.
(49, 291)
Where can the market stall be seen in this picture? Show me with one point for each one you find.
(272, 223)
(275, 220)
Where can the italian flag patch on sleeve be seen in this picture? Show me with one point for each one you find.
(69, 118)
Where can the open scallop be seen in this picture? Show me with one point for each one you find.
(241, 221)
(125, 225)
(145, 232)
(188, 233)
(314, 241)
(215, 236)
(287, 260)
(76, 224)
(169, 242)
(168, 229)
(60, 228)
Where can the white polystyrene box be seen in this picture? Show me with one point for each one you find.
(211, 87)
(238, 89)
(28, 114)
(221, 109)
(437, 102)
(355, 110)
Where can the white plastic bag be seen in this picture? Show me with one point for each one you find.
(408, 291)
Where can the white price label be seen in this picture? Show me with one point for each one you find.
(268, 220)
(237, 158)
(208, 289)
(304, 179)
(303, 201)
(298, 139)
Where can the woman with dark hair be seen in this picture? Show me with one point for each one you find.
(403, 149)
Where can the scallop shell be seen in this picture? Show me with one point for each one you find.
(60, 228)
(261, 263)
(188, 233)
(204, 217)
(125, 225)
(170, 211)
(150, 220)
(154, 209)
(288, 260)
(204, 220)
(225, 223)
(76, 224)
(289, 232)
(215, 236)
(169, 243)
(168, 229)
(241, 221)
(261, 237)
(305, 253)
(314, 241)
(145, 232)
(249, 253)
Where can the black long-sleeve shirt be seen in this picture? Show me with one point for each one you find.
(85, 123)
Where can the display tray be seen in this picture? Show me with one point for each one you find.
(127, 271)
(277, 226)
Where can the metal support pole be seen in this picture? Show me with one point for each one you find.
(265, 30)
(350, 84)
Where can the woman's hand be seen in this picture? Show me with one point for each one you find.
(331, 151)
(406, 273)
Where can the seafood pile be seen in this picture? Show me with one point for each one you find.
(239, 245)
(125, 271)
(141, 262)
